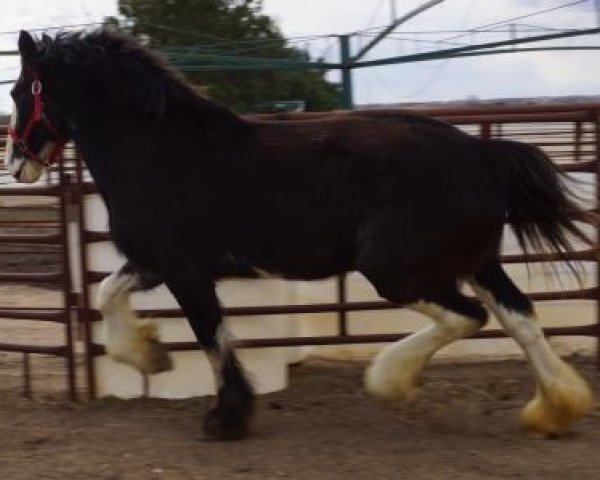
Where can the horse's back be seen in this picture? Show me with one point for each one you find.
(406, 192)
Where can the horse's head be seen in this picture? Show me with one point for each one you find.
(36, 135)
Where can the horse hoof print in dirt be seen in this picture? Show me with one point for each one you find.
(194, 191)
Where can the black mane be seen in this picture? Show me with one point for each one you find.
(124, 68)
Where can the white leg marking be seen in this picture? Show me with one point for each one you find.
(129, 340)
(562, 394)
(393, 375)
(216, 358)
(216, 362)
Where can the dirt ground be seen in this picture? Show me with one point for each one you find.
(463, 426)
(324, 426)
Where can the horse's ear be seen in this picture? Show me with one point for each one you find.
(27, 48)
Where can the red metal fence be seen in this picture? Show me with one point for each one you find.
(26, 233)
(570, 134)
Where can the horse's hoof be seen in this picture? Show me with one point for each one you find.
(392, 389)
(156, 359)
(226, 425)
(554, 408)
(142, 350)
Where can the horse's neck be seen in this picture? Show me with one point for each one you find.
(97, 139)
(114, 143)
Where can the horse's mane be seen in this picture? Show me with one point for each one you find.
(127, 70)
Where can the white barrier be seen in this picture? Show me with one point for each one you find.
(192, 375)
(267, 367)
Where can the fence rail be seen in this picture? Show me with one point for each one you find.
(42, 236)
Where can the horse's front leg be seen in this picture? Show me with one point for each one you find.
(231, 415)
(128, 339)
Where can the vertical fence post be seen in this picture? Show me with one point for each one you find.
(597, 158)
(83, 310)
(485, 130)
(577, 141)
(347, 101)
(66, 200)
(26, 376)
(341, 298)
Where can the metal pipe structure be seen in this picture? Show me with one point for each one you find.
(390, 28)
(347, 89)
(478, 49)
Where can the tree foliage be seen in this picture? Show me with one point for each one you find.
(231, 27)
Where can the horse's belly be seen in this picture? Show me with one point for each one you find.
(308, 261)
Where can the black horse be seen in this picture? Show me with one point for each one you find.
(194, 191)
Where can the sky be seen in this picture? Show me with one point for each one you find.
(498, 76)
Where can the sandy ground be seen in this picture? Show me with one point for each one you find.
(324, 426)
(463, 426)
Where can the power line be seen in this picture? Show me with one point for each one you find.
(526, 28)
(520, 17)
(404, 36)
(494, 27)
(375, 14)
(218, 45)
(476, 29)
(435, 76)
(215, 40)
(398, 38)
(228, 41)
(248, 45)
(59, 27)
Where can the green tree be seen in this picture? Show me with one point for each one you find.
(230, 27)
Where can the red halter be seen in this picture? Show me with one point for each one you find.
(37, 116)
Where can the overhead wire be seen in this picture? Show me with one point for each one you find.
(508, 20)
(434, 77)
(520, 17)
(59, 27)
(216, 44)
(494, 27)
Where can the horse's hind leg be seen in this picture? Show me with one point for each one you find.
(562, 395)
(128, 339)
(393, 375)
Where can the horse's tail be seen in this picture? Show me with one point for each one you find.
(541, 209)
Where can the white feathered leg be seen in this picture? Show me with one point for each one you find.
(394, 373)
(128, 339)
(562, 395)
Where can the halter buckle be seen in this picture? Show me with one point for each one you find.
(36, 88)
